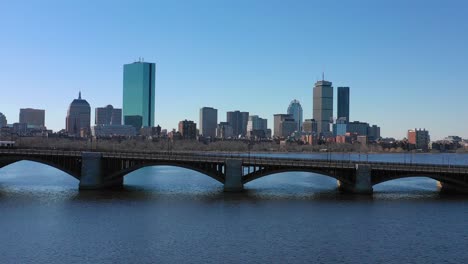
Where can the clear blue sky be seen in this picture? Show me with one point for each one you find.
(405, 61)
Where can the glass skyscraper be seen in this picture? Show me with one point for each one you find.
(138, 94)
(343, 103)
(295, 110)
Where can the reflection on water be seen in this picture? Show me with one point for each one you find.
(173, 215)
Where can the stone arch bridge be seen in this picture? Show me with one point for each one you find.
(97, 170)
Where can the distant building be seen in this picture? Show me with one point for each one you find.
(323, 106)
(99, 131)
(151, 131)
(34, 118)
(78, 117)
(343, 103)
(3, 120)
(295, 110)
(284, 124)
(310, 126)
(108, 115)
(139, 93)
(359, 128)
(257, 127)
(373, 133)
(188, 129)
(136, 121)
(362, 140)
(20, 129)
(208, 121)
(340, 128)
(419, 138)
(238, 120)
(224, 130)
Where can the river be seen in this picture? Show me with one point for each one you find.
(173, 215)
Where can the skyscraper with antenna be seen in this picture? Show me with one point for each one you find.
(323, 105)
(139, 94)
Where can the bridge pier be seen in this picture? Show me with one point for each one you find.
(362, 183)
(452, 188)
(92, 175)
(233, 176)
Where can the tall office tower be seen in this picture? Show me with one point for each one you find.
(238, 120)
(208, 121)
(323, 106)
(138, 94)
(188, 129)
(3, 120)
(108, 116)
(295, 110)
(343, 103)
(285, 125)
(78, 117)
(32, 117)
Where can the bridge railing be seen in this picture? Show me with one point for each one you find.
(250, 160)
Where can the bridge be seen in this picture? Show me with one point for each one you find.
(96, 170)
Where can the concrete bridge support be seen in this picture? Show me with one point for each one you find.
(362, 183)
(92, 175)
(233, 176)
(452, 188)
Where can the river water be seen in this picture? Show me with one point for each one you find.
(173, 215)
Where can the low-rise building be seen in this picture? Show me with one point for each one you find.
(100, 131)
(419, 139)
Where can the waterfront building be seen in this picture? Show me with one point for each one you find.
(224, 130)
(20, 129)
(373, 133)
(359, 128)
(208, 121)
(188, 129)
(238, 120)
(151, 131)
(139, 93)
(104, 130)
(257, 127)
(309, 126)
(3, 120)
(78, 117)
(340, 128)
(343, 103)
(419, 138)
(295, 110)
(34, 118)
(284, 125)
(362, 140)
(323, 106)
(108, 115)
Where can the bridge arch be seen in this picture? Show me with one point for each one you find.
(212, 174)
(436, 177)
(9, 160)
(267, 172)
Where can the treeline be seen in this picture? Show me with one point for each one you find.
(119, 145)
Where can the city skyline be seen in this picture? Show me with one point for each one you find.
(396, 84)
